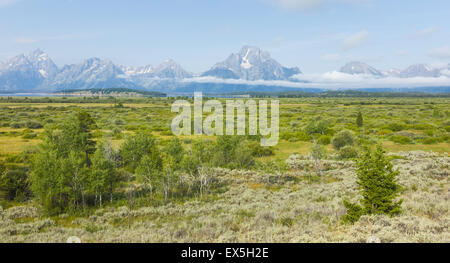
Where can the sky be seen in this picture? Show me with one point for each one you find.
(316, 35)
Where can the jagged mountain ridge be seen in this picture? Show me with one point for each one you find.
(417, 70)
(251, 63)
(25, 72)
(356, 67)
(37, 72)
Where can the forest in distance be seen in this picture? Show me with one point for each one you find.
(109, 169)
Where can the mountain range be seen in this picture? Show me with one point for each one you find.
(417, 70)
(36, 72)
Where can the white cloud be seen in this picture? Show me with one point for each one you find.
(355, 40)
(31, 40)
(440, 53)
(24, 40)
(302, 4)
(309, 4)
(446, 72)
(7, 2)
(337, 80)
(342, 80)
(331, 57)
(402, 53)
(424, 33)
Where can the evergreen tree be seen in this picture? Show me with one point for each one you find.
(378, 187)
(359, 120)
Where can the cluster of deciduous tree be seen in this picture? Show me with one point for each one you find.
(72, 171)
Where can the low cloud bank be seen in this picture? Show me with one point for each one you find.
(336, 80)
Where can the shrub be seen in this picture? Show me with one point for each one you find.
(324, 140)
(348, 152)
(232, 152)
(342, 139)
(394, 126)
(14, 184)
(17, 125)
(431, 140)
(318, 152)
(320, 127)
(401, 139)
(29, 134)
(260, 151)
(33, 124)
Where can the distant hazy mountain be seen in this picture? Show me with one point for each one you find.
(169, 69)
(251, 63)
(37, 72)
(357, 67)
(392, 72)
(446, 71)
(26, 72)
(90, 74)
(420, 70)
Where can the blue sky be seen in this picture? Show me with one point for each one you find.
(315, 35)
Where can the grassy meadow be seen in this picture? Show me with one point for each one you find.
(277, 194)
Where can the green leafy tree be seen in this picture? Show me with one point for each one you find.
(61, 174)
(149, 172)
(14, 184)
(200, 154)
(378, 187)
(74, 134)
(318, 152)
(359, 120)
(170, 176)
(103, 176)
(60, 183)
(317, 127)
(232, 152)
(343, 138)
(176, 151)
(136, 147)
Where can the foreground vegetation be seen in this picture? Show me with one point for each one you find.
(109, 169)
(261, 207)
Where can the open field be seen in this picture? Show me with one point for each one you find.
(423, 121)
(219, 189)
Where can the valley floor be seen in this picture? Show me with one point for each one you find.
(258, 207)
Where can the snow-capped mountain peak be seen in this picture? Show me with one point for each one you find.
(420, 70)
(394, 72)
(356, 67)
(26, 71)
(170, 69)
(251, 63)
(167, 69)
